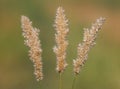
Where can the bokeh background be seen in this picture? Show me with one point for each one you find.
(101, 71)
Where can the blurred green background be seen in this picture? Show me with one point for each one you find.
(101, 71)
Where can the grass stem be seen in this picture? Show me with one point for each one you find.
(60, 81)
(74, 80)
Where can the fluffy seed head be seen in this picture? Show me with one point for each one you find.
(88, 42)
(60, 38)
(31, 36)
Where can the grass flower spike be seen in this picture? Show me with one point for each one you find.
(31, 36)
(88, 41)
(60, 38)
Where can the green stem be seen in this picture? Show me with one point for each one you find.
(74, 80)
(60, 81)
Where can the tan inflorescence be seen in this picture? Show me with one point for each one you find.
(31, 36)
(88, 41)
(60, 38)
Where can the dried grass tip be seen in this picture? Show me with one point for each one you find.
(60, 38)
(88, 42)
(31, 36)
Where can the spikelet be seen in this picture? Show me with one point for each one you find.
(60, 38)
(88, 41)
(31, 36)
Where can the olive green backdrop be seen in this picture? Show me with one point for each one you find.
(101, 71)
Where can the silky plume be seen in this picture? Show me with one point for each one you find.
(88, 42)
(31, 36)
(61, 28)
